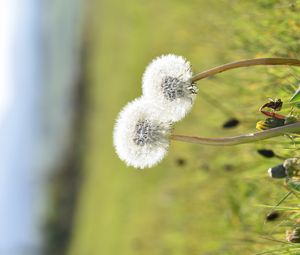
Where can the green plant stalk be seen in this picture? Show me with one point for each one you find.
(245, 63)
(240, 139)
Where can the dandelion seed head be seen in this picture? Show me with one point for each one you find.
(141, 135)
(167, 82)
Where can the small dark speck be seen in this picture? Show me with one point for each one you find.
(231, 123)
(272, 216)
(266, 153)
(180, 162)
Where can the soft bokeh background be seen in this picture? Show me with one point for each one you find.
(40, 44)
(67, 69)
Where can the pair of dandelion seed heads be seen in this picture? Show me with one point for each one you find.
(143, 127)
(141, 134)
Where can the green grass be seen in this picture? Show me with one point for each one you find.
(211, 204)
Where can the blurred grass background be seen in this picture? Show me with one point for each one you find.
(200, 199)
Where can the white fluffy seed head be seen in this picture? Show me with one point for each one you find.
(166, 82)
(140, 135)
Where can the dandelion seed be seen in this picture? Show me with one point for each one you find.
(141, 135)
(167, 82)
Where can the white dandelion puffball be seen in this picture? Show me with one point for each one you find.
(167, 82)
(140, 135)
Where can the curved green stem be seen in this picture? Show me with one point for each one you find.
(244, 63)
(240, 139)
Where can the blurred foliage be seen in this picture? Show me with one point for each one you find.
(199, 200)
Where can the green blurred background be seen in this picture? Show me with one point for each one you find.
(200, 199)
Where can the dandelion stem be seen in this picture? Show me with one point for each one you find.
(240, 139)
(244, 63)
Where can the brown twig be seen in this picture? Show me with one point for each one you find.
(240, 139)
(245, 63)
